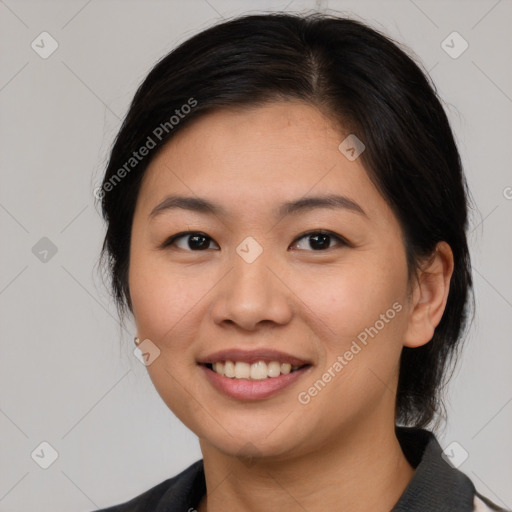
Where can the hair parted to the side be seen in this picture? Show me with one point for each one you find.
(367, 85)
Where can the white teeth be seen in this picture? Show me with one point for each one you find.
(255, 371)
(242, 370)
(259, 370)
(274, 369)
(229, 369)
(286, 368)
(219, 368)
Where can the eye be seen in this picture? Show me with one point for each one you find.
(195, 241)
(320, 240)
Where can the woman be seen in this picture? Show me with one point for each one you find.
(287, 217)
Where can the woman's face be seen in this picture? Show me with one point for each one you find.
(256, 288)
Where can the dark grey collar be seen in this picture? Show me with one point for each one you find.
(435, 487)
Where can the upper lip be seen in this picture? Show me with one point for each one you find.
(252, 356)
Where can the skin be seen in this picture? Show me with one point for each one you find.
(339, 451)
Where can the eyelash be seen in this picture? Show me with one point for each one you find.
(341, 241)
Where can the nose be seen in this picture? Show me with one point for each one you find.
(253, 294)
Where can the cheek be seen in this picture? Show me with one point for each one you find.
(363, 309)
(160, 296)
(165, 308)
(352, 297)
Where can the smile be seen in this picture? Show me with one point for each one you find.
(247, 388)
(260, 370)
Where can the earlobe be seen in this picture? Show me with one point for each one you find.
(429, 297)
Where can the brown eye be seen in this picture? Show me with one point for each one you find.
(320, 240)
(193, 241)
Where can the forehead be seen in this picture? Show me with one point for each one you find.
(255, 156)
(231, 133)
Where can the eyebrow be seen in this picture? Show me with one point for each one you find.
(201, 205)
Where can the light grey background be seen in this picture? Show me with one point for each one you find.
(68, 375)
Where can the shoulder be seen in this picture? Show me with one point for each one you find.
(181, 492)
(436, 484)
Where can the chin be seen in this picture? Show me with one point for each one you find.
(252, 448)
(250, 437)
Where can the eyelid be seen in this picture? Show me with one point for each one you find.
(170, 240)
(341, 240)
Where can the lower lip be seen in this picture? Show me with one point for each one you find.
(245, 389)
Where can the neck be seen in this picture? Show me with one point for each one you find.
(364, 469)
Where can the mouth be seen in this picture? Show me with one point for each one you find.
(259, 370)
(252, 375)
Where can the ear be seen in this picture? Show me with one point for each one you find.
(429, 296)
